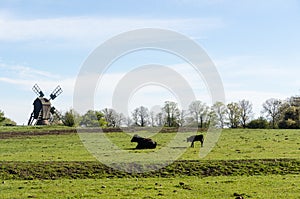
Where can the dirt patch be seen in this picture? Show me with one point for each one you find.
(6, 135)
(41, 132)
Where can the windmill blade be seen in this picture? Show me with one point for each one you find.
(57, 91)
(53, 111)
(56, 112)
(37, 90)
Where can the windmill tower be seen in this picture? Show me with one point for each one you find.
(42, 109)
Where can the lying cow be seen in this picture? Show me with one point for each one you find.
(194, 138)
(143, 143)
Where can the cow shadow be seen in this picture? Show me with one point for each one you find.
(130, 149)
(179, 147)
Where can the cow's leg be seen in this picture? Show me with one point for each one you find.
(201, 143)
(192, 145)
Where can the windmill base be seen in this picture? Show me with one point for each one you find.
(42, 122)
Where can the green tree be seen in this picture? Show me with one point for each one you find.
(2, 118)
(71, 118)
(288, 124)
(295, 102)
(290, 118)
(260, 123)
(6, 121)
(93, 119)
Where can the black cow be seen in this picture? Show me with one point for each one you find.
(143, 143)
(194, 138)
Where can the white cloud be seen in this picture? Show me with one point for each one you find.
(25, 76)
(154, 93)
(259, 73)
(257, 98)
(93, 29)
(257, 78)
(25, 71)
(147, 96)
(21, 80)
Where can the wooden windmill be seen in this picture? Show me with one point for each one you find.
(43, 112)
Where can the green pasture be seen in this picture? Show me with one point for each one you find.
(233, 144)
(251, 163)
(44, 148)
(264, 187)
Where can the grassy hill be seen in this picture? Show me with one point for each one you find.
(35, 159)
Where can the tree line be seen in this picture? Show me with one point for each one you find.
(275, 113)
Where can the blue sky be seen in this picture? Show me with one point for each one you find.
(255, 46)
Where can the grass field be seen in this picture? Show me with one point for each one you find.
(254, 163)
(233, 144)
(272, 186)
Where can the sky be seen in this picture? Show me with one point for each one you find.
(255, 46)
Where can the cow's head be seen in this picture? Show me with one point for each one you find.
(190, 139)
(135, 138)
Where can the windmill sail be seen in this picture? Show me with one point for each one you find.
(37, 90)
(57, 91)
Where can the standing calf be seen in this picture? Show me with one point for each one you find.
(194, 138)
(143, 143)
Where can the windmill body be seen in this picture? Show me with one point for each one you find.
(42, 109)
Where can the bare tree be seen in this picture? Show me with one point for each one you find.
(272, 108)
(245, 112)
(140, 116)
(144, 115)
(128, 121)
(152, 118)
(120, 119)
(211, 119)
(233, 114)
(220, 109)
(199, 112)
(135, 116)
(159, 119)
(182, 117)
(111, 117)
(172, 113)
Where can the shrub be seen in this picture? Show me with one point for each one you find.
(259, 123)
(288, 124)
